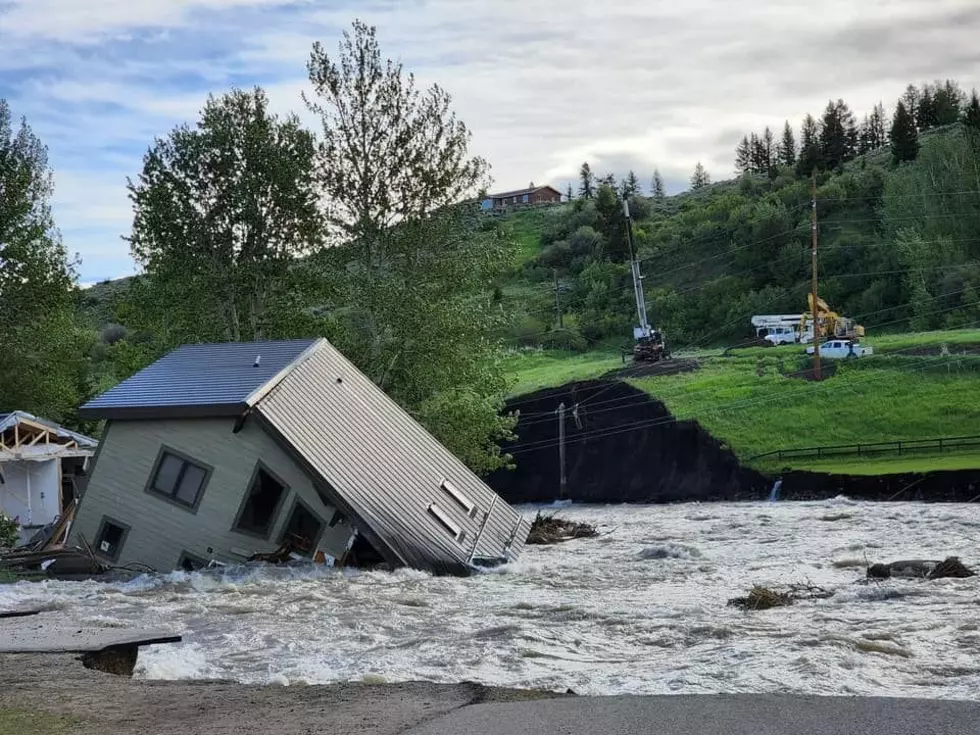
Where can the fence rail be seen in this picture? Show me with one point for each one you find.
(875, 449)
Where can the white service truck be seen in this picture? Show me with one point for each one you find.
(780, 329)
(838, 349)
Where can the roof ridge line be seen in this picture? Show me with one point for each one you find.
(253, 398)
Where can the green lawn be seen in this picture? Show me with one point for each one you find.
(886, 465)
(533, 370)
(900, 398)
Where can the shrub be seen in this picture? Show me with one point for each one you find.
(8, 532)
(564, 339)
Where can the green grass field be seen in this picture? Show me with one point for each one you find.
(900, 397)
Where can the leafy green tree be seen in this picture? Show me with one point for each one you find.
(700, 178)
(222, 210)
(904, 137)
(586, 188)
(657, 188)
(42, 360)
(809, 158)
(786, 153)
(408, 288)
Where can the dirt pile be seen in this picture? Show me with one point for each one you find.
(621, 446)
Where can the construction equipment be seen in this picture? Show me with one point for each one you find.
(830, 323)
(777, 329)
(651, 348)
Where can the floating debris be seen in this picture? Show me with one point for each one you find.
(766, 598)
(549, 529)
(921, 569)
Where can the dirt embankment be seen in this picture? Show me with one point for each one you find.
(954, 486)
(624, 446)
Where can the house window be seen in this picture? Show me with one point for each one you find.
(178, 479)
(261, 504)
(524, 198)
(188, 562)
(302, 529)
(110, 539)
(440, 515)
(464, 502)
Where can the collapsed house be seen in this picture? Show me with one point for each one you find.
(40, 464)
(220, 452)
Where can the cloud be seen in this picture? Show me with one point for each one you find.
(543, 85)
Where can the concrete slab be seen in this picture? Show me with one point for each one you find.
(748, 714)
(49, 634)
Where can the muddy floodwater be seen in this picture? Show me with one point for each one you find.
(639, 610)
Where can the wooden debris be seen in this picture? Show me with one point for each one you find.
(766, 598)
(549, 529)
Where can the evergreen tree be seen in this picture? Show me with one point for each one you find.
(743, 155)
(925, 113)
(657, 188)
(877, 134)
(864, 137)
(608, 180)
(903, 136)
(809, 157)
(569, 195)
(586, 188)
(757, 160)
(768, 152)
(630, 186)
(971, 113)
(947, 100)
(700, 178)
(910, 97)
(838, 135)
(787, 146)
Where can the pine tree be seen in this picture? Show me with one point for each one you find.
(608, 180)
(947, 100)
(768, 152)
(877, 134)
(657, 188)
(586, 188)
(630, 186)
(787, 146)
(911, 97)
(757, 157)
(864, 137)
(569, 195)
(925, 113)
(700, 178)
(743, 155)
(809, 157)
(838, 135)
(971, 114)
(903, 136)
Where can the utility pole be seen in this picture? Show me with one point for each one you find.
(561, 318)
(815, 310)
(563, 481)
(641, 304)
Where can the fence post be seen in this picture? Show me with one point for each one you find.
(940, 446)
(900, 449)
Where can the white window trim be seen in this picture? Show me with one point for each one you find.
(441, 516)
(465, 503)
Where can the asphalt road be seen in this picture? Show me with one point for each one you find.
(744, 714)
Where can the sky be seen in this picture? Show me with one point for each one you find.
(543, 84)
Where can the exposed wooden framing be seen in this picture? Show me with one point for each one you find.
(16, 435)
(44, 435)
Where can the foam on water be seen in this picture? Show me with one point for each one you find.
(639, 610)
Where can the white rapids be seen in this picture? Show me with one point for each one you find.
(642, 609)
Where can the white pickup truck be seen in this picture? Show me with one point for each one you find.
(837, 349)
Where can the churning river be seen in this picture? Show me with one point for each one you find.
(639, 610)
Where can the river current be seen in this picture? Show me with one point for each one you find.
(639, 610)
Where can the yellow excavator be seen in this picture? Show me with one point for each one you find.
(830, 323)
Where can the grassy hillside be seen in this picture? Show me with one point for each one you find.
(906, 391)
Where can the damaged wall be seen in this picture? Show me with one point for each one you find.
(616, 455)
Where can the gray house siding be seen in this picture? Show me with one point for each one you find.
(386, 468)
(161, 531)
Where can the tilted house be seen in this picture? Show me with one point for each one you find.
(219, 451)
(40, 465)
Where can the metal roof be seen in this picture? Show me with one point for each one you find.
(386, 471)
(8, 420)
(199, 380)
(520, 192)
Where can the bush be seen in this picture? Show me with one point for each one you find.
(112, 333)
(529, 331)
(8, 532)
(564, 339)
(558, 255)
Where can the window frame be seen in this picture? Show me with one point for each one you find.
(297, 501)
(469, 507)
(456, 532)
(96, 547)
(185, 554)
(277, 511)
(172, 499)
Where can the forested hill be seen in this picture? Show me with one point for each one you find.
(899, 243)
